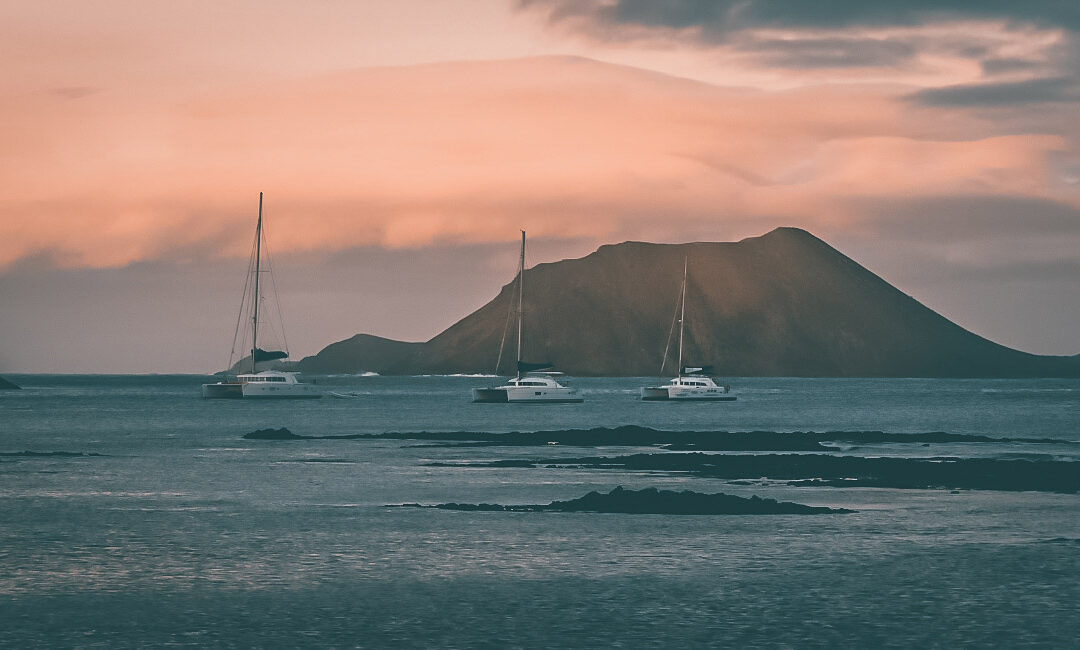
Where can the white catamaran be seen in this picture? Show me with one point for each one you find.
(530, 386)
(275, 384)
(691, 383)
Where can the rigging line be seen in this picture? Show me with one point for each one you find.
(273, 285)
(506, 328)
(243, 303)
(671, 332)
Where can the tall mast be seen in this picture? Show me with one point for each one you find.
(255, 307)
(521, 301)
(682, 315)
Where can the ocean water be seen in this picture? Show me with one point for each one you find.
(134, 514)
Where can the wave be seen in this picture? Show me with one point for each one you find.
(1028, 390)
(638, 436)
(50, 454)
(364, 373)
(463, 374)
(819, 470)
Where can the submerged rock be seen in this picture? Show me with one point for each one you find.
(655, 502)
(273, 434)
(638, 436)
(667, 502)
(819, 470)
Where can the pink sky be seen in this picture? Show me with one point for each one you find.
(937, 148)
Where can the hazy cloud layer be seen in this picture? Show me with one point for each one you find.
(936, 142)
(1026, 51)
(716, 20)
(459, 153)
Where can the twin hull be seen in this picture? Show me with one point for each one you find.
(237, 390)
(527, 395)
(686, 394)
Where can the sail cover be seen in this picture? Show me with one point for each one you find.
(269, 355)
(523, 366)
(697, 370)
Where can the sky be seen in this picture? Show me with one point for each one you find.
(401, 145)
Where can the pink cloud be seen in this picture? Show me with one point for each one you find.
(469, 152)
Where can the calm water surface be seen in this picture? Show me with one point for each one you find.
(158, 524)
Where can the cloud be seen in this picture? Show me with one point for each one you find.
(464, 153)
(961, 53)
(828, 52)
(950, 219)
(1031, 91)
(716, 20)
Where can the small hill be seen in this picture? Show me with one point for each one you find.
(783, 304)
(365, 352)
(7, 385)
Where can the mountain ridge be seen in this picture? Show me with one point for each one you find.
(784, 303)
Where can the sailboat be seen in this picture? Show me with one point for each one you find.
(531, 385)
(691, 383)
(272, 384)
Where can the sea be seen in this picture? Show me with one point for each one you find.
(135, 514)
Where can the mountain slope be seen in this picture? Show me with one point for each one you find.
(783, 304)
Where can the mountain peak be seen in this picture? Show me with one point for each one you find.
(782, 304)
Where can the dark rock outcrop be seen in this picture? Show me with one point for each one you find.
(632, 435)
(7, 385)
(651, 501)
(274, 434)
(813, 470)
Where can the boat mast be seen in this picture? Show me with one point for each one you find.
(521, 300)
(255, 307)
(682, 315)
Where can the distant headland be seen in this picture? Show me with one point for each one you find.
(782, 304)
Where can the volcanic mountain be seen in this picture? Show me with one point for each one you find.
(783, 304)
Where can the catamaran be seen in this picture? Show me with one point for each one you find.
(691, 383)
(267, 383)
(531, 385)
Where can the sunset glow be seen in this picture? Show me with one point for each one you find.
(141, 133)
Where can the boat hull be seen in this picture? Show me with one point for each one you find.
(260, 390)
(686, 394)
(708, 395)
(542, 395)
(489, 396)
(222, 390)
(526, 395)
(654, 393)
(287, 391)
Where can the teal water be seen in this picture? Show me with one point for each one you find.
(158, 524)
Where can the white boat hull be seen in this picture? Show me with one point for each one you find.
(269, 384)
(705, 391)
(528, 390)
(685, 394)
(533, 394)
(515, 395)
(270, 391)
